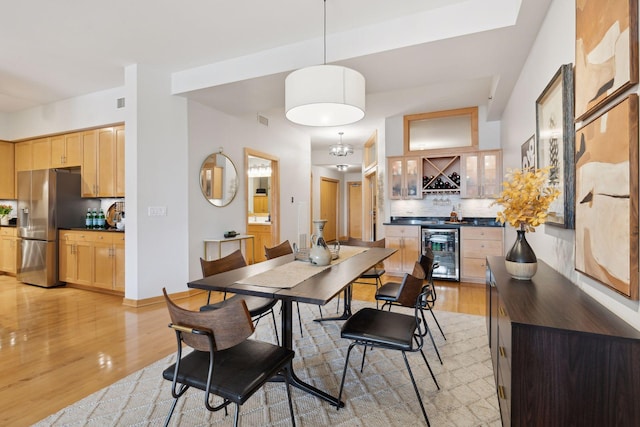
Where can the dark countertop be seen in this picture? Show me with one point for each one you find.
(442, 222)
(114, 230)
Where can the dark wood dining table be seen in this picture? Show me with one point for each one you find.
(319, 289)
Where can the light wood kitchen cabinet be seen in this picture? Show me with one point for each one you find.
(66, 150)
(405, 177)
(481, 174)
(32, 155)
(103, 162)
(262, 237)
(477, 243)
(92, 259)
(8, 249)
(260, 203)
(7, 170)
(406, 239)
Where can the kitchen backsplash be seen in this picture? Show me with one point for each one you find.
(441, 205)
(13, 204)
(104, 205)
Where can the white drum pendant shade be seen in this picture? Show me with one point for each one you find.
(324, 95)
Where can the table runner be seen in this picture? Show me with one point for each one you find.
(290, 274)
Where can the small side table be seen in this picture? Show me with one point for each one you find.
(239, 238)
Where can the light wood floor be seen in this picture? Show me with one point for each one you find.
(59, 345)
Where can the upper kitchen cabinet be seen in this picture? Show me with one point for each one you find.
(32, 155)
(103, 162)
(481, 174)
(66, 150)
(405, 177)
(7, 170)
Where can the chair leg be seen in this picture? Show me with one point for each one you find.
(344, 374)
(428, 331)
(299, 319)
(415, 387)
(364, 354)
(428, 366)
(236, 416)
(437, 323)
(173, 406)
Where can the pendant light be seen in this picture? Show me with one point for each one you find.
(324, 95)
(342, 168)
(339, 149)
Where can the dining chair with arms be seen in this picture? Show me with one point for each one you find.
(389, 294)
(258, 306)
(388, 330)
(224, 362)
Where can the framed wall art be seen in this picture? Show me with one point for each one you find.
(528, 153)
(555, 136)
(607, 198)
(606, 52)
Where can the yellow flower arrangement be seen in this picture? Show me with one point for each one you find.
(526, 197)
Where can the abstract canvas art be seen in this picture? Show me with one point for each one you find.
(606, 52)
(607, 198)
(528, 153)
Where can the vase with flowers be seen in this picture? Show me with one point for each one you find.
(5, 210)
(526, 197)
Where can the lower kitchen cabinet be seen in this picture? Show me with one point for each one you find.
(92, 259)
(8, 249)
(559, 357)
(476, 244)
(406, 239)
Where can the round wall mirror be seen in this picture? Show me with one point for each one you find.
(218, 179)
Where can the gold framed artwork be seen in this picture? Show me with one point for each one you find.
(555, 135)
(606, 52)
(607, 198)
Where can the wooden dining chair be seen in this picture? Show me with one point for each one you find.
(389, 330)
(224, 362)
(374, 273)
(258, 306)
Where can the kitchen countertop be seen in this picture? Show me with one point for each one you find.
(110, 230)
(442, 222)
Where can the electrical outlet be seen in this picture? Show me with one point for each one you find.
(157, 211)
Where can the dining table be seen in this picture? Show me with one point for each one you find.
(291, 280)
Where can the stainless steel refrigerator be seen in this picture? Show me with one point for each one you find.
(48, 199)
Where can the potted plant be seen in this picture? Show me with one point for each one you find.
(5, 210)
(525, 197)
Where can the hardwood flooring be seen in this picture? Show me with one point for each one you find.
(59, 345)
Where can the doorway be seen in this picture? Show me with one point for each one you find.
(262, 199)
(329, 193)
(370, 206)
(354, 214)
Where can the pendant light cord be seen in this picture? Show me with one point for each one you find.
(325, 32)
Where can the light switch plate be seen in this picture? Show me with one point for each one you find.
(157, 211)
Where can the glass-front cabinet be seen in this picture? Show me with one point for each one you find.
(481, 174)
(405, 178)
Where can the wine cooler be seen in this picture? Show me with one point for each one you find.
(445, 244)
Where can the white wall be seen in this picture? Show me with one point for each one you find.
(209, 130)
(553, 47)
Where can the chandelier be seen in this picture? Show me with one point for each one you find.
(339, 149)
(324, 95)
(342, 168)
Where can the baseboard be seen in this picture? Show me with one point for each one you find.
(160, 299)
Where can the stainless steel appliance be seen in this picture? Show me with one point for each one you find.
(445, 244)
(48, 199)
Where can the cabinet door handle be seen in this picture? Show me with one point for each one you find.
(501, 311)
(501, 393)
(502, 351)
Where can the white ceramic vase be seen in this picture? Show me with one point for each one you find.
(319, 253)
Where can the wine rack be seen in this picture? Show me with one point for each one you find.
(441, 174)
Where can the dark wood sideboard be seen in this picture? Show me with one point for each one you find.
(559, 357)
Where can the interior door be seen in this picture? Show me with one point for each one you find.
(329, 207)
(355, 210)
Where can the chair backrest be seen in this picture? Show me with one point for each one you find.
(283, 248)
(363, 243)
(426, 261)
(229, 325)
(230, 262)
(411, 286)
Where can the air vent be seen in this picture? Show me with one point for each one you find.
(263, 120)
(120, 103)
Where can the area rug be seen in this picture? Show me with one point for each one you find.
(380, 396)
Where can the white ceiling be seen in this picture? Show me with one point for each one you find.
(233, 55)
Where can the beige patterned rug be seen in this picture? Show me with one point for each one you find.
(381, 396)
